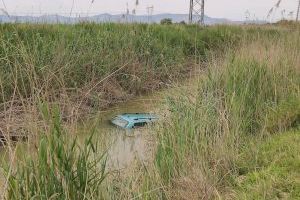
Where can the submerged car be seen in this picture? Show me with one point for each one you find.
(133, 120)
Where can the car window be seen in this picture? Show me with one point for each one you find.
(120, 122)
(140, 124)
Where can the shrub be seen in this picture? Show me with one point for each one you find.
(166, 21)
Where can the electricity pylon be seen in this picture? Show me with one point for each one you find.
(298, 11)
(196, 12)
(150, 10)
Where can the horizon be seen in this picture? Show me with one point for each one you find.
(142, 18)
(256, 10)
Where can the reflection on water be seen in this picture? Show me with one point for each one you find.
(130, 145)
(126, 149)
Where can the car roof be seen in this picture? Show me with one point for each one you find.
(137, 117)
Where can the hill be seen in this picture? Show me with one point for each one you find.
(108, 18)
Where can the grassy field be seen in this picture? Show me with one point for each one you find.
(233, 135)
(252, 95)
(244, 99)
(270, 169)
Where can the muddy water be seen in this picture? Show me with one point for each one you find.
(135, 145)
(130, 145)
(124, 147)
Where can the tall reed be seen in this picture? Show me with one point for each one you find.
(252, 92)
(257, 86)
(60, 169)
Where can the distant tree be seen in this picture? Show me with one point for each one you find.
(182, 22)
(166, 21)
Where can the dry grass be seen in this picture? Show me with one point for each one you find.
(195, 152)
(209, 128)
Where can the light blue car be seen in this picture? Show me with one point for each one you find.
(133, 120)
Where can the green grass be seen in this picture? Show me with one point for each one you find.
(61, 168)
(273, 171)
(51, 59)
(247, 97)
(219, 137)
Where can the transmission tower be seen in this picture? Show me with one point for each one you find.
(196, 12)
(298, 11)
(150, 10)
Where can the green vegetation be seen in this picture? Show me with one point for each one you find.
(60, 169)
(256, 91)
(48, 60)
(166, 21)
(273, 171)
(233, 134)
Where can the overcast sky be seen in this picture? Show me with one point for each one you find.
(231, 9)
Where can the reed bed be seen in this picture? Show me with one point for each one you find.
(253, 95)
(208, 148)
(248, 92)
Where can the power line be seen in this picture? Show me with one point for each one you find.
(73, 2)
(5, 9)
(4, 5)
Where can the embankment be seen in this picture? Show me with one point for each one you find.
(246, 94)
